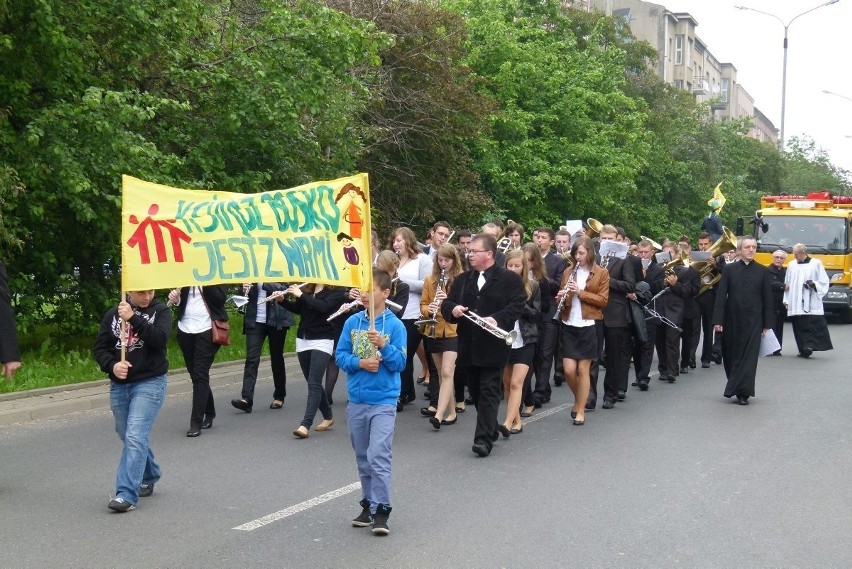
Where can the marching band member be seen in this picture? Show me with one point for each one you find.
(496, 297)
(547, 292)
(683, 283)
(622, 281)
(652, 274)
(524, 346)
(555, 265)
(583, 294)
(711, 348)
(315, 346)
(443, 348)
(414, 267)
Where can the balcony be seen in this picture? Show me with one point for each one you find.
(700, 86)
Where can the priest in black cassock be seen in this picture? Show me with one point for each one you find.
(743, 312)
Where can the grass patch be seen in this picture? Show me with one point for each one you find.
(47, 363)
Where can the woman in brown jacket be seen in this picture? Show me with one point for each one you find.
(444, 346)
(586, 285)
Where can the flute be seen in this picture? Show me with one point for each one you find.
(276, 295)
(350, 305)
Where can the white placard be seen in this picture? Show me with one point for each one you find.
(574, 226)
(769, 343)
(616, 249)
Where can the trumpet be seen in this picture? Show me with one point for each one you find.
(571, 279)
(508, 337)
(346, 307)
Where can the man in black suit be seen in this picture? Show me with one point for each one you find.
(651, 274)
(683, 283)
(622, 281)
(555, 264)
(10, 353)
(711, 349)
(498, 297)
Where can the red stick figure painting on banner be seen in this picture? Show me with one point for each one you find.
(177, 237)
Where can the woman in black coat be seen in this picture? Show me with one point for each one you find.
(197, 307)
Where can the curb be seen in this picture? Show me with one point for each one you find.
(35, 404)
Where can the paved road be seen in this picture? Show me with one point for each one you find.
(675, 477)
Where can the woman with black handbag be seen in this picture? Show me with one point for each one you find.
(199, 310)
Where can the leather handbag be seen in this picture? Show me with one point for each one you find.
(220, 331)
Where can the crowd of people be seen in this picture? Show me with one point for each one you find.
(490, 316)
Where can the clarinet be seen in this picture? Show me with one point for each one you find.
(571, 279)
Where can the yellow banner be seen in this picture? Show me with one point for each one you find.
(318, 232)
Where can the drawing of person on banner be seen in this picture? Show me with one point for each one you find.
(350, 253)
(353, 215)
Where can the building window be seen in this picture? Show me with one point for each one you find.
(678, 84)
(725, 85)
(678, 51)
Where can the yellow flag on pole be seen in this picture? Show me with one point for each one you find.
(318, 232)
(717, 202)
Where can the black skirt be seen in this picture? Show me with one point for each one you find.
(523, 355)
(579, 343)
(441, 345)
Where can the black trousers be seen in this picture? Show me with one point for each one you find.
(485, 385)
(198, 353)
(778, 327)
(618, 350)
(711, 343)
(643, 353)
(407, 375)
(254, 345)
(689, 340)
(668, 350)
(547, 346)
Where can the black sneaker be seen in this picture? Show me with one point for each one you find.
(145, 490)
(364, 519)
(380, 520)
(120, 505)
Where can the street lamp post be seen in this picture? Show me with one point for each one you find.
(784, 73)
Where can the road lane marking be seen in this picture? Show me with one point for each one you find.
(300, 507)
(307, 504)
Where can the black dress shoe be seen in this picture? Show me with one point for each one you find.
(705, 365)
(494, 436)
(468, 401)
(427, 395)
(717, 360)
(742, 400)
(399, 405)
(435, 422)
(643, 386)
(590, 405)
(671, 379)
(426, 412)
(193, 433)
(621, 395)
(806, 353)
(504, 430)
(662, 377)
(207, 423)
(692, 364)
(608, 404)
(517, 430)
(481, 449)
(448, 421)
(684, 370)
(408, 398)
(635, 384)
(242, 404)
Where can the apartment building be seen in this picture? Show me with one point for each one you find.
(686, 62)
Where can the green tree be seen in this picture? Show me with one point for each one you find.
(241, 96)
(808, 168)
(566, 141)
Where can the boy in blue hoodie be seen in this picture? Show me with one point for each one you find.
(373, 383)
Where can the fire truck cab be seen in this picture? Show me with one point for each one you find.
(822, 223)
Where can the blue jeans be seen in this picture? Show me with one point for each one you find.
(135, 406)
(314, 364)
(371, 432)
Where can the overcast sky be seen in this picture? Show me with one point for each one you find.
(818, 58)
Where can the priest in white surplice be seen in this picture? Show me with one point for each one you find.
(805, 285)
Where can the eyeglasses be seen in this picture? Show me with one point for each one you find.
(471, 251)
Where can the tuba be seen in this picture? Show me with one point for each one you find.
(725, 243)
(594, 227)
